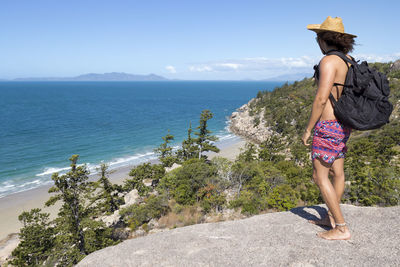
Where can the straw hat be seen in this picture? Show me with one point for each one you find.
(330, 25)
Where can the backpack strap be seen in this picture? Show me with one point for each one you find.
(346, 61)
(332, 99)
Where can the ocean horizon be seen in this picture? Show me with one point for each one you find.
(118, 123)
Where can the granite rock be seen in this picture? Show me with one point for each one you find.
(271, 239)
(395, 65)
(242, 122)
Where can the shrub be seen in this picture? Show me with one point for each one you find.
(211, 198)
(250, 202)
(283, 197)
(183, 183)
(144, 171)
(137, 214)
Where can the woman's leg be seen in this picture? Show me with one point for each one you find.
(329, 195)
(338, 177)
(326, 220)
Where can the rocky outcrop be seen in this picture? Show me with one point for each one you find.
(131, 198)
(173, 167)
(272, 239)
(395, 65)
(114, 219)
(251, 127)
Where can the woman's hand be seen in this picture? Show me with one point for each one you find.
(305, 137)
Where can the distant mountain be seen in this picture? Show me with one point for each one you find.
(290, 77)
(111, 76)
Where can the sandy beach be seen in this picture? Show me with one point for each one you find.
(13, 205)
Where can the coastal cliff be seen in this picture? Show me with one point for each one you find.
(251, 127)
(272, 239)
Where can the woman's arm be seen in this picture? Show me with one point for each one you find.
(327, 74)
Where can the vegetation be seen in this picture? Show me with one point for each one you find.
(37, 239)
(153, 172)
(108, 199)
(137, 214)
(164, 151)
(189, 149)
(205, 139)
(73, 234)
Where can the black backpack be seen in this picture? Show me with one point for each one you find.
(364, 103)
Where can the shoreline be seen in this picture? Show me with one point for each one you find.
(11, 206)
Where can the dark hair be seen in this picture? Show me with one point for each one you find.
(343, 42)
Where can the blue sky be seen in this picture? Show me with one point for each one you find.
(198, 40)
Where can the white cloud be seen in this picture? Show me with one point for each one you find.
(255, 64)
(263, 67)
(171, 69)
(283, 64)
(233, 66)
(377, 58)
(200, 68)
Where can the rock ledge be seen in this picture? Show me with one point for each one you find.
(272, 239)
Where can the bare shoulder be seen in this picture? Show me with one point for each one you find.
(330, 60)
(329, 63)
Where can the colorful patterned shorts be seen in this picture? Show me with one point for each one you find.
(329, 140)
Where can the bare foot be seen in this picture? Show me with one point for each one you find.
(337, 233)
(328, 220)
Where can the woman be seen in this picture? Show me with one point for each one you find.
(330, 136)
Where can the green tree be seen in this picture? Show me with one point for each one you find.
(108, 198)
(77, 234)
(36, 239)
(205, 138)
(249, 154)
(164, 151)
(189, 148)
(144, 171)
(271, 148)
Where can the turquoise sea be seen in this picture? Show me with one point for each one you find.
(43, 123)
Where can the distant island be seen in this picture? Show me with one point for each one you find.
(122, 76)
(110, 76)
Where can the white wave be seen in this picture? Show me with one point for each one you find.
(12, 188)
(133, 159)
(7, 187)
(28, 183)
(227, 137)
(7, 184)
(51, 170)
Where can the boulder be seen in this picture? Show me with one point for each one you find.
(131, 198)
(153, 223)
(395, 66)
(148, 182)
(173, 167)
(271, 239)
(112, 219)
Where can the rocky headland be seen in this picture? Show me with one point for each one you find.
(250, 126)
